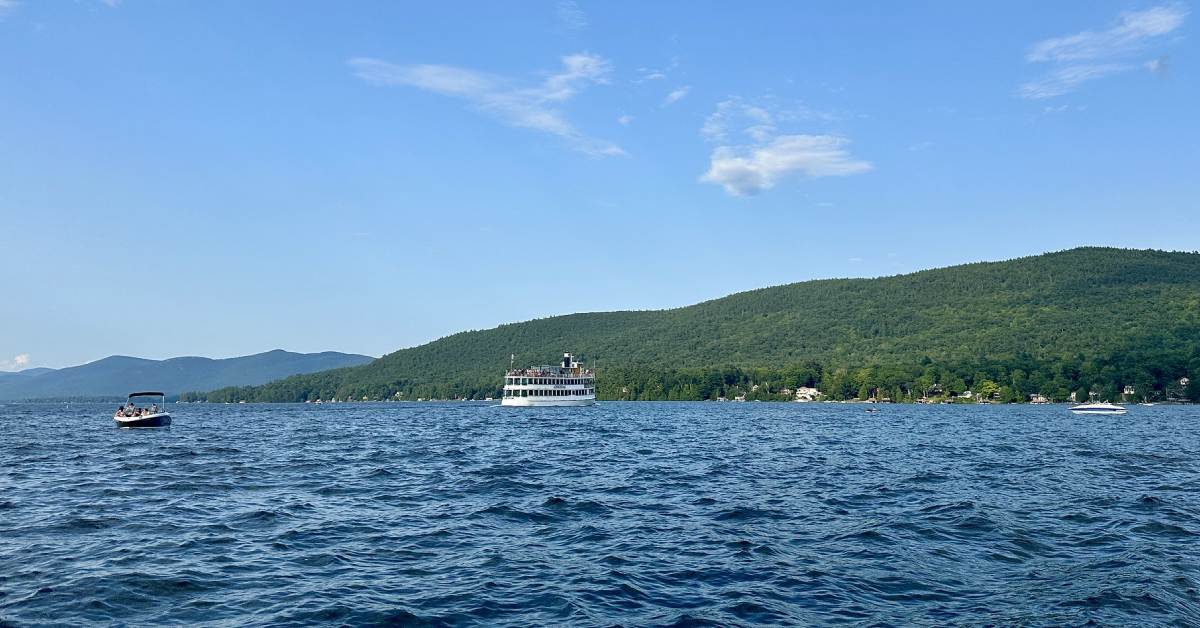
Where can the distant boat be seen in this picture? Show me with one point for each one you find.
(568, 384)
(1098, 408)
(1146, 404)
(155, 415)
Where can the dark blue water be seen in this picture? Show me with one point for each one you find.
(634, 514)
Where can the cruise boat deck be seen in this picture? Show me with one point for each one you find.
(568, 384)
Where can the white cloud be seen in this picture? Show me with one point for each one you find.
(1131, 32)
(570, 15)
(752, 155)
(855, 260)
(524, 107)
(18, 362)
(624, 120)
(7, 5)
(112, 3)
(1158, 66)
(1090, 55)
(676, 95)
(1065, 80)
(748, 170)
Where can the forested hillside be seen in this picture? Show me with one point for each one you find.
(1083, 320)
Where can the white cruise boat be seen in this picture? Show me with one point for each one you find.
(569, 384)
(1098, 408)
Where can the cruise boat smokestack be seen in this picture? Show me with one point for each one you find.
(566, 360)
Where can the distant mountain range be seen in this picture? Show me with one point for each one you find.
(117, 376)
(1077, 321)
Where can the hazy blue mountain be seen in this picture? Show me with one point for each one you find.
(27, 373)
(119, 375)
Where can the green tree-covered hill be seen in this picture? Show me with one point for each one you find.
(1082, 320)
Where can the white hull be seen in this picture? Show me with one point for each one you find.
(158, 419)
(536, 402)
(1098, 408)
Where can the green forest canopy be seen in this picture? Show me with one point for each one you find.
(1083, 320)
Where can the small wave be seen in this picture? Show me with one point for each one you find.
(517, 515)
(746, 513)
(869, 535)
(1156, 528)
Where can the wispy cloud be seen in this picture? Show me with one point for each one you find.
(646, 74)
(1091, 55)
(752, 155)
(624, 120)
(533, 107)
(17, 363)
(570, 15)
(6, 6)
(1065, 80)
(676, 95)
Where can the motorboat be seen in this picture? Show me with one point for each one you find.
(1098, 408)
(154, 415)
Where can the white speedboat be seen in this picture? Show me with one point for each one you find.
(1098, 408)
(570, 384)
(154, 415)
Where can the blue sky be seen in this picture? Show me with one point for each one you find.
(368, 176)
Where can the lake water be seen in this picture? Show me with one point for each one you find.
(624, 513)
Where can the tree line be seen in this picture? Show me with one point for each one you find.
(1015, 380)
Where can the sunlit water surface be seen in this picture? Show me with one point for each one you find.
(635, 514)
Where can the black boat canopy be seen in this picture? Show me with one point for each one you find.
(146, 394)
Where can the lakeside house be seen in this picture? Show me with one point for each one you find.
(1038, 398)
(806, 394)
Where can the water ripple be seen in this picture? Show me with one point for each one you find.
(622, 514)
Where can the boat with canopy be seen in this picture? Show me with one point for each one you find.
(153, 415)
